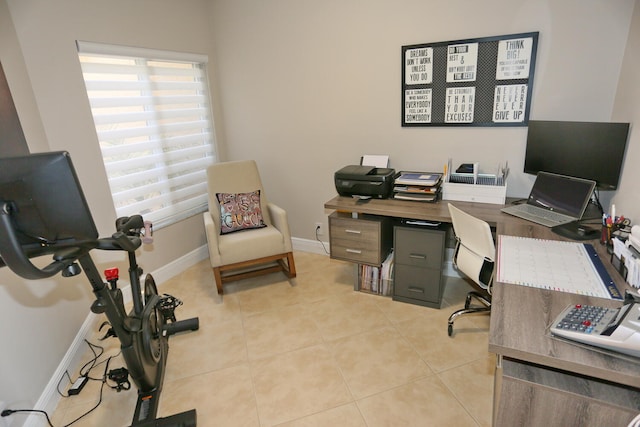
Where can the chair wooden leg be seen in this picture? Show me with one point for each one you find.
(288, 267)
(217, 275)
(292, 265)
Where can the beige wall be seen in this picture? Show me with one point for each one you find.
(47, 32)
(309, 86)
(39, 320)
(28, 308)
(627, 109)
(304, 87)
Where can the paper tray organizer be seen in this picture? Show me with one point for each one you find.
(487, 188)
(626, 257)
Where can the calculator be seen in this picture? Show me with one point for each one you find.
(616, 329)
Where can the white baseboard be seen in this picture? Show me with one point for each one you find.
(50, 397)
(177, 266)
(311, 246)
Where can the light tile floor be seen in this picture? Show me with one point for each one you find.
(311, 353)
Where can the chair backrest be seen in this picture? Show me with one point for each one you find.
(475, 249)
(240, 176)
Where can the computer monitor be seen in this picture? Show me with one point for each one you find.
(45, 199)
(589, 150)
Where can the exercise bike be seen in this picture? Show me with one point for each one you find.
(43, 212)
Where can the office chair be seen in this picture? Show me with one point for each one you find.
(474, 256)
(246, 234)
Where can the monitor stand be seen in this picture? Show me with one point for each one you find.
(576, 231)
(593, 211)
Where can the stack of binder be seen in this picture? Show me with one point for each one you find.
(418, 186)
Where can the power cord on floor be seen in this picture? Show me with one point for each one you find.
(321, 242)
(8, 412)
(66, 373)
(84, 372)
(104, 381)
(92, 363)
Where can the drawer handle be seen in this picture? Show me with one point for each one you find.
(417, 290)
(354, 251)
(352, 231)
(417, 256)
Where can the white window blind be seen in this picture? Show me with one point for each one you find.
(152, 114)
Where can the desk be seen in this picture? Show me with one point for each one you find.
(539, 380)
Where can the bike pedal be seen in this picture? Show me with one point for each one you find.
(121, 377)
(110, 331)
(167, 306)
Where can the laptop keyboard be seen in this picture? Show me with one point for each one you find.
(541, 213)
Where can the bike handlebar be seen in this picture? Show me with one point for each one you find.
(129, 244)
(131, 224)
(18, 257)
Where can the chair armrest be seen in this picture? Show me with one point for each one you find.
(280, 221)
(212, 239)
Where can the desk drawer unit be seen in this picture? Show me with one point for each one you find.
(419, 256)
(365, 240)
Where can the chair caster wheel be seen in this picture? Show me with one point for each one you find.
(450, 329)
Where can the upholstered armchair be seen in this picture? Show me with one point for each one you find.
(246, 235)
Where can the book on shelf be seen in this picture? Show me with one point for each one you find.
(377, 280)
(386, 275)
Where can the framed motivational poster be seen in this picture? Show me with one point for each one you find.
(475, 82)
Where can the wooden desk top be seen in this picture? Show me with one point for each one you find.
(520, 316)
(417, 210)
(520, 319)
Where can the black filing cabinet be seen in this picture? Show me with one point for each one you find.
(419, 258)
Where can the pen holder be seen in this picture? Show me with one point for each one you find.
(605, 237)
(609, 230)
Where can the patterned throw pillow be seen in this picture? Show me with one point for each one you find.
(240, 211)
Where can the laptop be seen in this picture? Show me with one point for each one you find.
(554, 200)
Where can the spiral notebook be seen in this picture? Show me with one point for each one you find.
(554, 265)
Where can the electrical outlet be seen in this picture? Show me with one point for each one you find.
(318, 229)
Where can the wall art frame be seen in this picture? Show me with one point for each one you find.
(472, 82)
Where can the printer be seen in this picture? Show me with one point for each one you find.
(365, 181)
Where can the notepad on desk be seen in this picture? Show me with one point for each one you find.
(554, 265)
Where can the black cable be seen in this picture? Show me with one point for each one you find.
(58, 385)
(321, 242)
(92, 362)
(8, 412)
(104, 361)
(596, 196)
(106, 368)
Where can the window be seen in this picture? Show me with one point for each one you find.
(152, 114)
